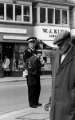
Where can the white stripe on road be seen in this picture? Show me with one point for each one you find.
(13, 115)
(26, 111)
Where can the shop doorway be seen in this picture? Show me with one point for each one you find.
(7, 51)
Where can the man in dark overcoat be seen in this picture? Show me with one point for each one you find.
(63, 99)
(54, 58)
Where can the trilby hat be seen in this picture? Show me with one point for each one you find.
(62, 37)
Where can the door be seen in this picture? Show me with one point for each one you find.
(7, 50)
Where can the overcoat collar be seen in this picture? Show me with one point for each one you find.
(68, 58)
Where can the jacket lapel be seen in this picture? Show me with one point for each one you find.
(67, 59)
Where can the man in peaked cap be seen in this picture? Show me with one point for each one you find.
(63, 96)
(32, 41)
(33, 66)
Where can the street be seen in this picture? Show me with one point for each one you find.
(13, 95)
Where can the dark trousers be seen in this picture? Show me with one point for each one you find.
(33, 94)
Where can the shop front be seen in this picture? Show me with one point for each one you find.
(14, 52)
(12, 45)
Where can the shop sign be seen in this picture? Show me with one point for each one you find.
(14, 37)
(48, 32)
(13, 30)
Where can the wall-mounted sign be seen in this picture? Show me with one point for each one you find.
(14, 37)
(48, 32)
(13, 30)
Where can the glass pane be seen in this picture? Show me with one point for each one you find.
(26, 16)
(18, 62)
(1, 11)
(64, 17)
(34, 15)
(57, 16)
(17, 12)
(42, 15)
(50, 15)
(26, 10)
(9, 12)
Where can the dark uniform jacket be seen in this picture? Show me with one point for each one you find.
(63, 102)
(34, 70)
(33, 65)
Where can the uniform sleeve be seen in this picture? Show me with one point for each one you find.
(26, 55)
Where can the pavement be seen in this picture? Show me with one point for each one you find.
(28, 113)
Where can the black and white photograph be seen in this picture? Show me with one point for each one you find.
(37, 59)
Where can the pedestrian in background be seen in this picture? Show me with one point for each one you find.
(33, 65)
(6, 66)
(63, 99)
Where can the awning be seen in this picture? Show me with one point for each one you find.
(14, 39)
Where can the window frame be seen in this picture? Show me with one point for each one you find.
(13, 20)
(27, 15)
(53, 7)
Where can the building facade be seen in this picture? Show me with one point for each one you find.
(20, 19)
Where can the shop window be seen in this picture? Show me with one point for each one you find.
(50, 15)
(17, 12)
(9, 12)
(64, 16)
(57, 16)
(18, 62)
(1, 11)
(42, 15)
(26, 13)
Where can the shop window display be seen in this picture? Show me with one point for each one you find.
(18, 62)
